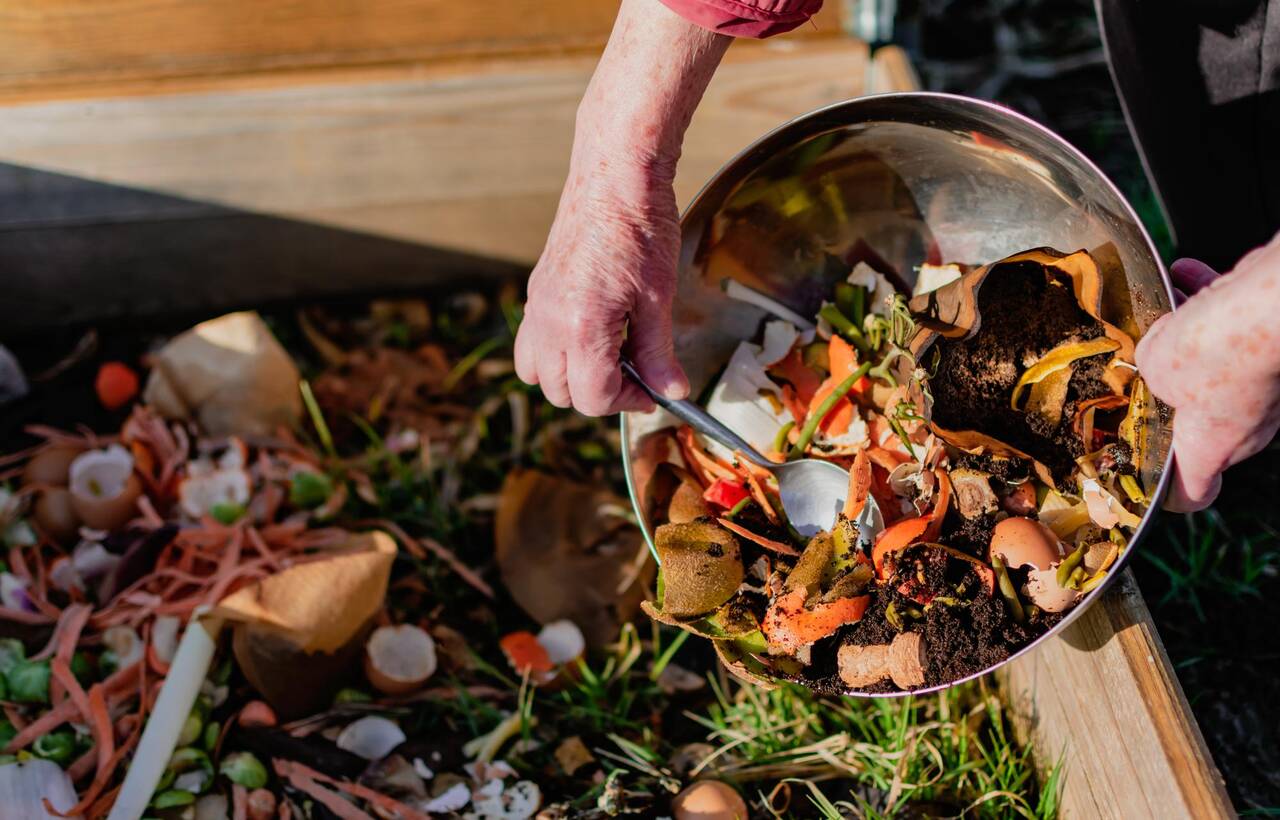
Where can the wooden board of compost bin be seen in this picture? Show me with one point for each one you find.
(108, 47)
(374, 179)
(1104, 699)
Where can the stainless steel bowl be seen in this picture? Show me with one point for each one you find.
(912, 177)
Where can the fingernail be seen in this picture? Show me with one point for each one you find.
(676, 388)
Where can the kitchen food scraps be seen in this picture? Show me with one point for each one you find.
(997, 421)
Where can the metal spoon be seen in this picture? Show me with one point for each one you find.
(813, 491)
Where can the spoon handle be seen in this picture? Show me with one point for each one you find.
(698, 419)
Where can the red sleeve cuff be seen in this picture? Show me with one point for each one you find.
(746, 18)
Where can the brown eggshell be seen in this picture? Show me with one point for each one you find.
(54, 512)
(399, 659)
(1043, 590)
(109, 513)
(51, 466)
(709, 800)
(1022, 542)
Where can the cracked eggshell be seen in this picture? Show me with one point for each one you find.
(1043, 590)
(51, 466)
(709, 800)
(104, 488)
(779, 337)
(200, 492)
(1022, 542)
(371, 737)
(399, 659)
(54, 511)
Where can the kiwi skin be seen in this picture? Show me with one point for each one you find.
(701, 567)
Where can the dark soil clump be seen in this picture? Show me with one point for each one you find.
(971, 535)
(976, 376)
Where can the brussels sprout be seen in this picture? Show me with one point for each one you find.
(172, 799)
(28, 682)
(210, 739)
(190, 732)
(11, 651)
(349, 695)
(245, 769)
(308, 490)
(227, 512)
(82, 668)
(185, 760)
(55, 746)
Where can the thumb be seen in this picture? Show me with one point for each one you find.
(1190, 275)
(650, 345)
(1197, 463)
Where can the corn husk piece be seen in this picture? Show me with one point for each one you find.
(308, 622)
(228, 374)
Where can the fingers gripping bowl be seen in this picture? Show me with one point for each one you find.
(901, 193)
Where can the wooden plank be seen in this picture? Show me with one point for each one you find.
(470, 162)
(95, 47)
(1104, 699)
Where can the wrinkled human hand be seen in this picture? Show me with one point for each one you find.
(604, 286)
(1216, 360)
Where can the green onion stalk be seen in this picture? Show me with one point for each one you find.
(829, 403)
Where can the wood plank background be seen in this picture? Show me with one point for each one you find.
(52, 48)
(1104, 699)
(466, 161)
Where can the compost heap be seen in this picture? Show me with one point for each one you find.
(998, 423)
(225, 492)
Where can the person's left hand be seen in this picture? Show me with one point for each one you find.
(1216, 360)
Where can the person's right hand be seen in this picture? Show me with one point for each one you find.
(604, 286)
(1216, 360)
(604, 283)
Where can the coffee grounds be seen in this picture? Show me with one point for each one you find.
(969, 535)
(959, 640)
(975, 376)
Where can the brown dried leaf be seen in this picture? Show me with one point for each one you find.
(572, 754)
(563, 553)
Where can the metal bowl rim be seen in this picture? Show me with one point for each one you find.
(997, 110)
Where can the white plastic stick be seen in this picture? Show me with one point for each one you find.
(177, 696)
